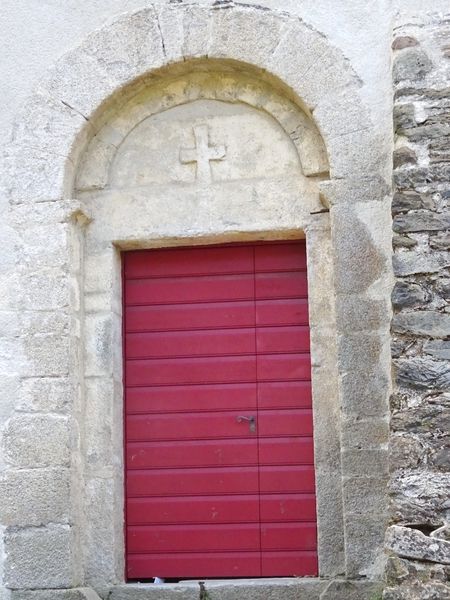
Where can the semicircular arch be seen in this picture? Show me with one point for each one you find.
(126, 54)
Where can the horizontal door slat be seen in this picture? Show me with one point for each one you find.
(284, 394)
(281, 479)
(282, 339)
(284, 451)
(190, 316)
(188, 261)
(213, 509)
(281, 285)
(282, 312)
(288, 507)
(194, 538)
(231, 396)
(288, 536)
(191, 370)
(190, 343)
(289, 564)
(189, 289)
(283, 366)
(285, 422)
(193, 482)
(187, 426)
(281, 257)
(204, 453)
(193, 565)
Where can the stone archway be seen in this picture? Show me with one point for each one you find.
(69, 110)
(138, 182)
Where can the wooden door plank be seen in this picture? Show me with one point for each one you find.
(203, 509)
(196, 453)
(172, 262)
(175, 344)
(186, 290)
(190, 317)
(192, 565)
(192, 482)
(201, 398)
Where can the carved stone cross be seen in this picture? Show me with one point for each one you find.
(202, 154)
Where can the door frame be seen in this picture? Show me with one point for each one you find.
(104, 385)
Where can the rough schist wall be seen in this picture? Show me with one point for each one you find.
(420, 423)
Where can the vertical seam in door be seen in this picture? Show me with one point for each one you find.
(257, 413)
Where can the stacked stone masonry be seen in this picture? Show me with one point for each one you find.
(419, 542)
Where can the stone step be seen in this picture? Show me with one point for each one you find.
(244, 589)
(251, 589)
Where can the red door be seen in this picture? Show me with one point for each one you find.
(219, 446)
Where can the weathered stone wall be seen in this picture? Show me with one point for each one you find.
(40, 481)
(420, 423)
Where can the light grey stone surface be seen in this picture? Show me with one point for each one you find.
(351, 590)
(411, 64)
(45, 395)
(354, 246)
(357, 313)
(159, 592)
(411, 543)
(418, 591)
(438, 349)
(365, 496)
(73, 594)
(359, 462)
(253, 589)
(34, 497)
(325, 413)
(39, 557)
(37, 441)
(364, 559)
(270, 590)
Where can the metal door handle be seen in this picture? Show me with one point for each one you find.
(251, 420)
